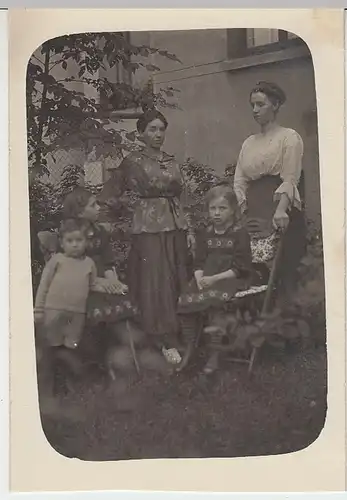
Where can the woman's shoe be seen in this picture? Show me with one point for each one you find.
(172, 355)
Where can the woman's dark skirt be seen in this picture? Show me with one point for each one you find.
(293, 250)
(262, 206)
(157, 275)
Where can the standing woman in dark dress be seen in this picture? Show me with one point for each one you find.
(161, 231)
(268, 179)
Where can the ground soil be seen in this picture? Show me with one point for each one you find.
(280, 409)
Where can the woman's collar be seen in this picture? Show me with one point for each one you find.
(162, 156)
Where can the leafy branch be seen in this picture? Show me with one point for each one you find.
(61, 116)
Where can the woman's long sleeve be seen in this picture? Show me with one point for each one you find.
(293, 150)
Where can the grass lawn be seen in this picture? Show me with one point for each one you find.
(279, 410)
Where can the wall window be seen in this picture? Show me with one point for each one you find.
(247, 42)
(124, 74)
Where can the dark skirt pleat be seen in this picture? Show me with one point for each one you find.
(157, 273)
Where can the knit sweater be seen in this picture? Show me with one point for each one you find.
(65, 284)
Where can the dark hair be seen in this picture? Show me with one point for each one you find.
(148, 117)
(75, 202)
(274, 93)
(224, 190)
(70, 225)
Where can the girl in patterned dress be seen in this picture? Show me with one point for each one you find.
(114, 306)
(223, 266)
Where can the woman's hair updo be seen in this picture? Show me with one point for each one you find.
(272, 91)
(148, 117)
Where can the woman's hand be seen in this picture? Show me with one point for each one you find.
(280, 220)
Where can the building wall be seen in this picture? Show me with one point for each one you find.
(214, 116)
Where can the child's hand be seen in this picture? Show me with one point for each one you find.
(198, 278)
(38, 316)
(115, 287)
(207, 281)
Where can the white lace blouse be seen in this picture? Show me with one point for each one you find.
(278, 152)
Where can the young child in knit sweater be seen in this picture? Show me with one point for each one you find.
(61, 299)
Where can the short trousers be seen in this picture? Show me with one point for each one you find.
(63, 328)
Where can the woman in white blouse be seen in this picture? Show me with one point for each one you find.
(267, 178)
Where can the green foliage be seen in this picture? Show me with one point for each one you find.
(302, 321)
(275, 329)
(199, 179)
(44, 205)
(61, 116)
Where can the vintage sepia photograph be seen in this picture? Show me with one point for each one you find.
(176, 244)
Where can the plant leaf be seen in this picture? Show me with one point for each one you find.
(152, 67)
(131, 136)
